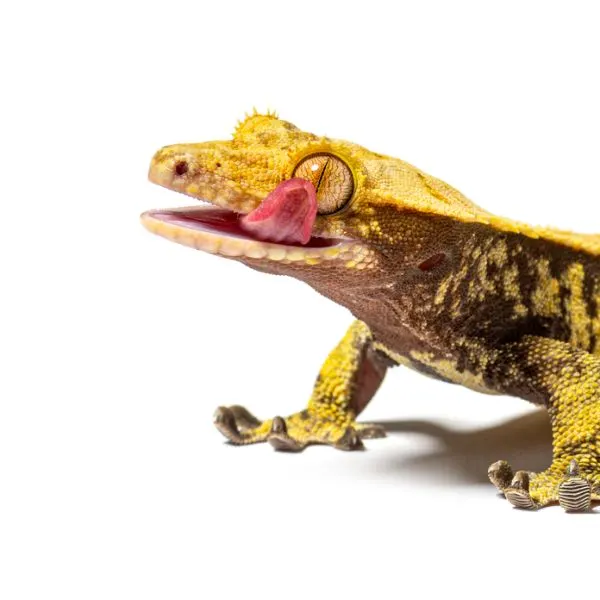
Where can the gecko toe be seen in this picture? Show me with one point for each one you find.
(514, 486)
(244, 419)
(575, 492)
(517, 493)
(224, 420)
(238, 425)
(280, 439)
(500, 474)
(350, 440)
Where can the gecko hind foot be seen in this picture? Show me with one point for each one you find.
(293, 433)
(528, 490)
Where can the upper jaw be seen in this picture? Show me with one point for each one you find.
(205, 185)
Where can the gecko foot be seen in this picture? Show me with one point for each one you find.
(293, 433)
(527, 490)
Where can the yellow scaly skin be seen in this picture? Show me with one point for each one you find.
(436, 284)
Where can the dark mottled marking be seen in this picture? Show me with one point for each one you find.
(474, 316)
(304, 415)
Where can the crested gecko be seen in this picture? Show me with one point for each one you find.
(435, 283)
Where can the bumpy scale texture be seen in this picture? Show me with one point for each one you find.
(436, 284)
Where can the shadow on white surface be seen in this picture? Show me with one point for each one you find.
(464, 456)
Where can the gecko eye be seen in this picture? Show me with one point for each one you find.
(181, 168)
(332, 179)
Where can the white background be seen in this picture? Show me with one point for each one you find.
(117, 346)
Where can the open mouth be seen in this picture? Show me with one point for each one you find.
(277, 230)
(218, 231)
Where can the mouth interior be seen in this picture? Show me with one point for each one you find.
(223, 222)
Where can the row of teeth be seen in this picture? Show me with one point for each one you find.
(354, 254)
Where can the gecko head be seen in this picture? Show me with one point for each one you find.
(286, 201)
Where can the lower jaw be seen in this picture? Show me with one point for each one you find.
(215, 231)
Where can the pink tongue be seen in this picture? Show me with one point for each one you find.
(287, 214)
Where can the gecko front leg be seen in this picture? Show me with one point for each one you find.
(348, 379)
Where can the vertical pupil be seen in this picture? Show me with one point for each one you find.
(319, 172)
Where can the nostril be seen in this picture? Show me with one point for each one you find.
(181, 168)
